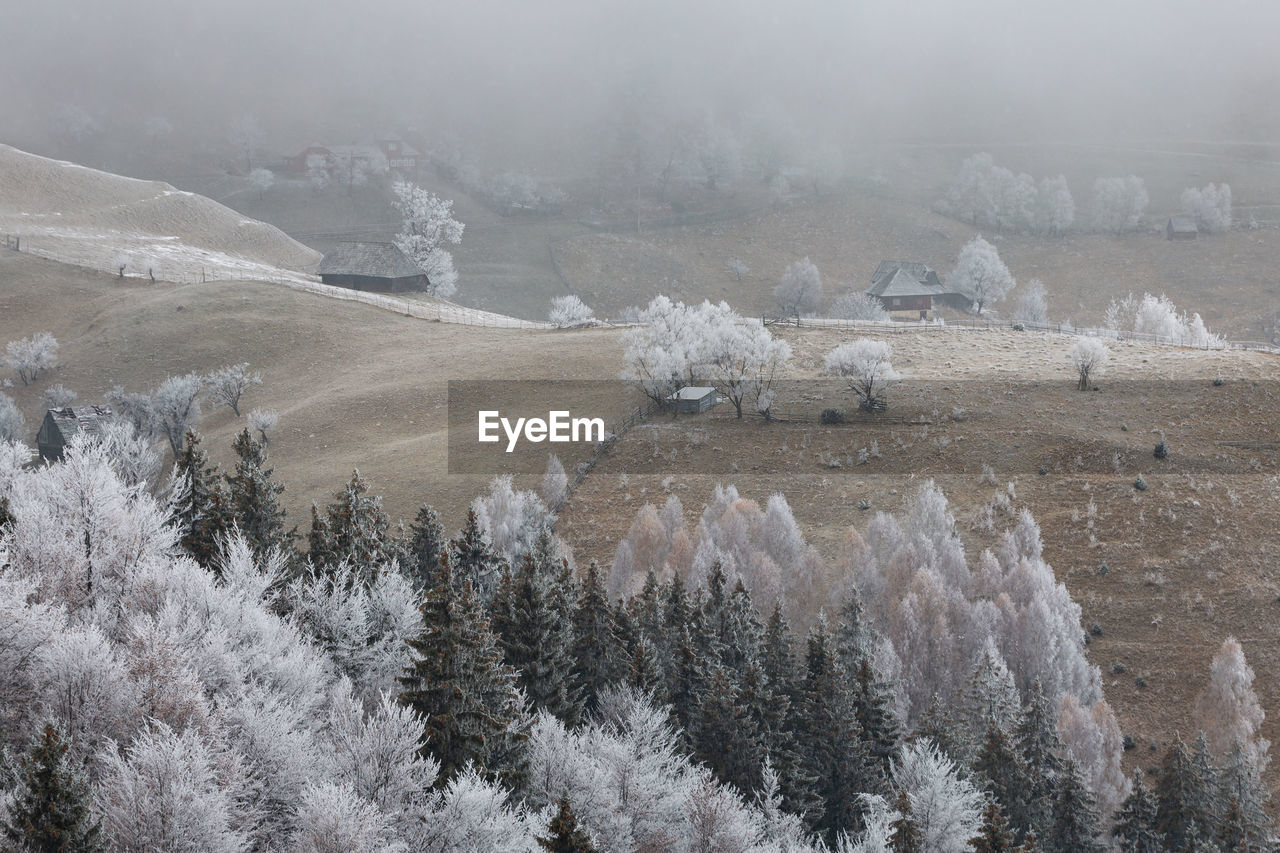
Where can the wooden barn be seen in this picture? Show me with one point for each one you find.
(60, 425)
(906, 286)
(1181, 228)
(693, 399)
(380, 267)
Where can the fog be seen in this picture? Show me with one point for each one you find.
(545, 84)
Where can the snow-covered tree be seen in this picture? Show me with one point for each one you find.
(946, 807)
(865, 365)
(1119, 204)
(32, 356)
(263, 420)
(57, 396)
(1032, 306)
(554, 487)
(857, 305)
(1089, 357)
(333, 818)
(740, 357)
(428, 227)
(980, 275)
(227, 385)
(1228, 710)
(1211, 207)
(569, 311)
(262, 180)
(510, 518)
(176, 404)
(738, 267)
(1158, 317)
(13, 426)
(1055, 208)
(50, 808)
(800, 290)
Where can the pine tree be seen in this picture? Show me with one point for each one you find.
(456, 681)
(741, 633)
(50, 811)
(1183, 796)
(355, 531)
(564, 834)
(255, 499)
(936, 724)
(1244, 824)
(197, 502)
(1041, 750)
(873, 705)
(907, 836)
(1135, 827)
(830, 739)
(726, 736)
(596, 650)
(644, 671)
(994, 836)
(777, 656)
(534, 623)
(854, 638)
(426, 546)
(685, 685)
(475, 561)
(1075, 818)
(1006, 778)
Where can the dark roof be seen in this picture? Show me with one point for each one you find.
(887, 268)
(377, 260)
(1183, 224)
(903, 282)
(74, 419)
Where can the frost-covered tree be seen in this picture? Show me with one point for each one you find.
(661, 351)
(32, 356)
(1121, 315)
(262, 421)
(865, 365)
(738, 267)
(56, 396)
(355, 531)
(1211, 207)
(227, 385)
(1089, 357)
(980, 275)
(1135, 827)
(554, 488)
(176, 404)
(428, 227)
(740, 357)
(1119, 204)
(510, 518)
(1228, 710)
(1032, 306)
(1055, 208)
(246, 135)
(856, 305)
(254, 498)
(13, 426)
(946, 807)
(800, 290)
(262, 180)
(333, 818)
(569, 311)
(1158, 317)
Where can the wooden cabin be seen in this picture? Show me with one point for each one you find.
(379, 267)
(61, 424)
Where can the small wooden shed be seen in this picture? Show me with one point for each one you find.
(61, 424)
(906, 286)
(1181, 228)
(379, 267)
(693, 399)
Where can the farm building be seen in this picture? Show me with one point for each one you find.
(60, 425)
(905, 286)
(693, 399)
(1181, 228)
(380, 267)
(387, 153)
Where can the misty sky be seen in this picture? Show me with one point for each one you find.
(519, 79)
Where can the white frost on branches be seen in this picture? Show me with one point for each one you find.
(569, 311)
(428, 227)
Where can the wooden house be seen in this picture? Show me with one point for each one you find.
(1181, 228)
(906, 286)
(61, 424)
(693, 399)
(379, 267)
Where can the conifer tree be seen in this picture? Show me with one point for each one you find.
(685, 685)
(726, 736)
(1041, 749)
(1006, 778)
(255, 498)
(937, 725)
(197, 502)
(1242, 795)
(777, 656)
(676, 610)
(1183, 796)
(534, 623)
(596, 651)
(995, 836)
(427, 544)
(564, 834)
(50, 810)
(830, 739)
(644, 672)
(475, 561)
(854, 638)
(740, 631)
(907, 836)
(1075, 818)
(872, 704)
(354, 531)
(456, 681)
(1135, 828)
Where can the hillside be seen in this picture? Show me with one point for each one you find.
(103, 221)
